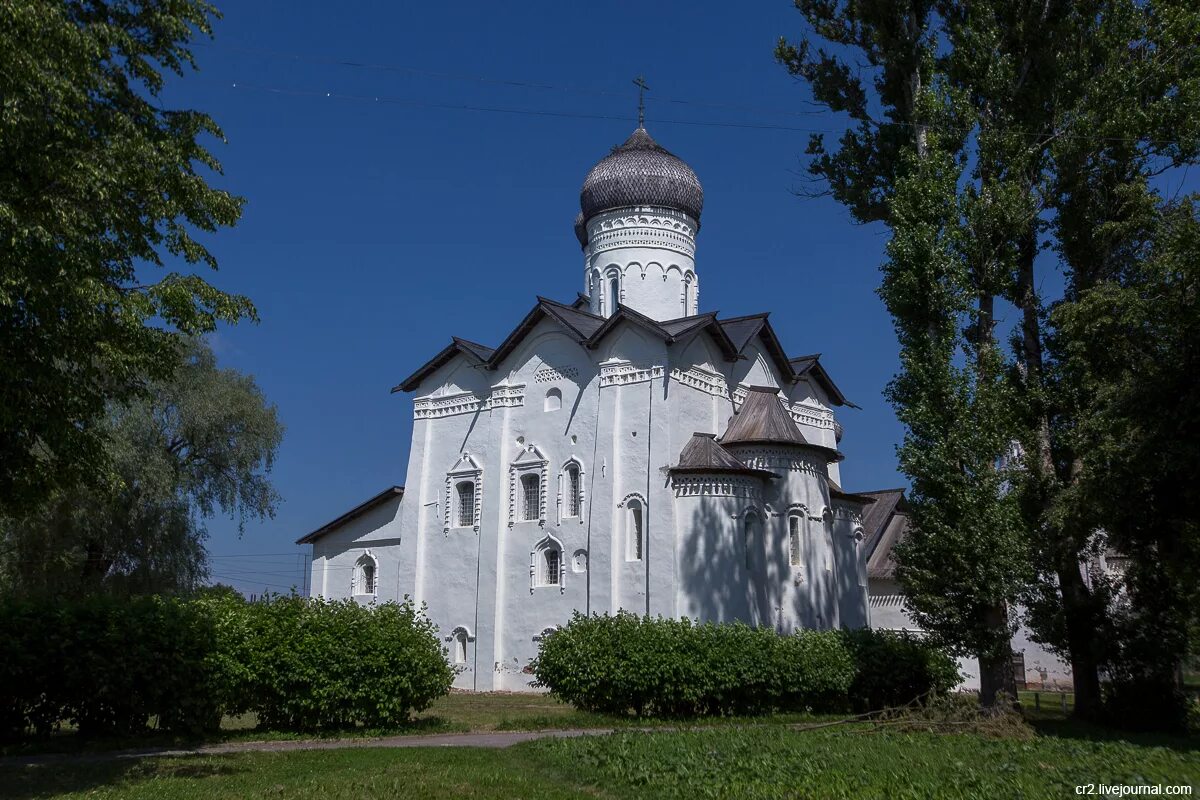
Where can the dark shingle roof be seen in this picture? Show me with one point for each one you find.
(639, 173)
(703, 454)
(884, 523)
(762, 419)
(357, 511)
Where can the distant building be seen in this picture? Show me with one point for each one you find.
(623, 450)
(885, 523)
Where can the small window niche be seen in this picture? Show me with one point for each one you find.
(553, 400)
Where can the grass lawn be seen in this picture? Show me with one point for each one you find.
(459, 712)
(730, 762)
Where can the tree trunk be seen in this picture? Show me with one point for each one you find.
(995, 667)
(1078, 613)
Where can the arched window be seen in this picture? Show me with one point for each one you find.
(553, 400)
(364, 575)
(753, 528)
(614, 294)
(634, 529)
(466, 504)
(571, 488)
(688, 295)
(794, 540)
(547, 564)
(460, 638)
(531, 497)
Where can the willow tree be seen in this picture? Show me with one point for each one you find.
(195, 445)
(101, 184)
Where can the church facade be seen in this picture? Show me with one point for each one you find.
(620, 451)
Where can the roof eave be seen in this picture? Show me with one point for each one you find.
(354, 513)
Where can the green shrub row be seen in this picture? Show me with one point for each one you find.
(111, 666)
(674, 668)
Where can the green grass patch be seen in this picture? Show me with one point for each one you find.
(763, 762)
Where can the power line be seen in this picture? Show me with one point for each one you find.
(496, 81)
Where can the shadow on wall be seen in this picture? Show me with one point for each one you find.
(717, 585)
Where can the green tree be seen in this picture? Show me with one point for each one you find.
(1063, 111)
(99, 185)
(965, 561)
(199, 443)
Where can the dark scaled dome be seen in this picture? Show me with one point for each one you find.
(639, 173)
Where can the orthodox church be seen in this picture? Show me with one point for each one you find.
(622, 450)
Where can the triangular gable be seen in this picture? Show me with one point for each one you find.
(810, 366)
(530, 456)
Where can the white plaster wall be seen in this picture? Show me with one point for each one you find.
(1042, 668)
(652, 250)
(627, 410)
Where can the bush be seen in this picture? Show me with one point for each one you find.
(113, 666)
(307, 664)
(673, 668)
(1146, 704)
(896, 669)
(106, 666)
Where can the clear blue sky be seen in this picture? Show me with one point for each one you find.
(374, 230)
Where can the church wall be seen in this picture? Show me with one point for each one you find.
(376, 534)
(557, 429)
(713, 582)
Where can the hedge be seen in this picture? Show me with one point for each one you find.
(674, 668)
(111, 666)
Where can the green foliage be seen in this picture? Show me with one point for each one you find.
(100, 183)
(198, 443)
(109, 666)
(301, 664)
(674, 668)
(106, 667)
(895, 669)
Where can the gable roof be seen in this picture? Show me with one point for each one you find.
(357, 511)
(884, 523)
(810, 366)
(731, 336)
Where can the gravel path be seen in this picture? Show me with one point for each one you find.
(494, 739)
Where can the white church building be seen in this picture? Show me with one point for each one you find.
(620, 451)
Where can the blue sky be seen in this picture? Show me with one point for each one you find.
(376, 229)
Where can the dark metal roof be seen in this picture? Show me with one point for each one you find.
(762, 419)
(640, 172)
(703, 454)
(357, 511)
(731, 335)
(804, 366)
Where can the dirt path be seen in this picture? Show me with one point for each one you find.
(494, 739)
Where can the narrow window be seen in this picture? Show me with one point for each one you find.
(633, 542)
(687, 297)
(614, 294)
(366, 576)
(466, 504)
(794, 540)
(572, 487)
(553, 400)
(552, 566)
(751, 538)
(460, 646)
(531, 500)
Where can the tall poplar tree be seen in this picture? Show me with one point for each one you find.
(1064, 112)
(964, 562)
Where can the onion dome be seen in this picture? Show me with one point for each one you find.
(640, 173)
